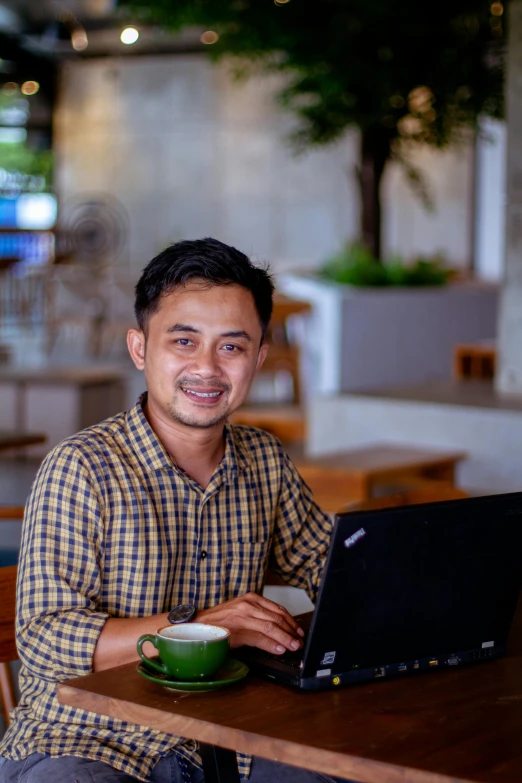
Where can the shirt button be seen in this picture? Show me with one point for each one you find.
(203, 554)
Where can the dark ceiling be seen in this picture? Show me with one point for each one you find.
(46, 29)
(37, 35)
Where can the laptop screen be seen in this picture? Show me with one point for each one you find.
(419, 581)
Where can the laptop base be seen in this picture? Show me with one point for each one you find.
(285, 674)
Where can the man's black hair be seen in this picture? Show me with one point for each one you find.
(205, 259)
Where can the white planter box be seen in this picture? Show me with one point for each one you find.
(362, 338)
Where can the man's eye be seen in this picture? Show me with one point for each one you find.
(230, 348)
(183, 341)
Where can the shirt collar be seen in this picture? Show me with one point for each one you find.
(144, 441)
(153, 455)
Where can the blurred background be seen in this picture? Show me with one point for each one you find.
(368, 151)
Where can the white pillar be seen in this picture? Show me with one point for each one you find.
(509, 374)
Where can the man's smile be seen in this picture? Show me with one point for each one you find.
(203, 396)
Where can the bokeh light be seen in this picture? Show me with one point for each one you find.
(409, 125)
(30, 88)
(420, 99)
(397, 101)
(209, 37)
(10, 88)
(79, 40)
(129, 36)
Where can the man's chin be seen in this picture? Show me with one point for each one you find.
(200, 422)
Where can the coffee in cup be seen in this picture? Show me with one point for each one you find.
(188, 651)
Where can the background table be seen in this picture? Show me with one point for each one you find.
(17, 440)
(59, 401)
(442, 727)
(358, 472)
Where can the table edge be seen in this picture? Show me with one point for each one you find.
(328, 762)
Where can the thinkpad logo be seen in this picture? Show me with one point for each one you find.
(354, 538)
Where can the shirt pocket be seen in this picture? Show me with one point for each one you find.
(245, 566)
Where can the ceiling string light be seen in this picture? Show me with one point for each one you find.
(129, 36)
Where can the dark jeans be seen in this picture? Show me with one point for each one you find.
(38, 768)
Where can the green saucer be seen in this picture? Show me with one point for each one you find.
(230, 672)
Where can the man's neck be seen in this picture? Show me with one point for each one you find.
(196, 451)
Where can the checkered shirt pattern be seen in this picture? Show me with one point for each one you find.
(114, 529)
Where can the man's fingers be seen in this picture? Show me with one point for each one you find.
(268, 635)
(260, 600)
(270, 606)
(266, 624)
(257, 639)
(276, 620)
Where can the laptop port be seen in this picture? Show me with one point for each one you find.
(402, 667)
(379, 671)
(453, 661)
(433, 662)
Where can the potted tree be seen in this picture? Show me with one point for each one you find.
(400, 76)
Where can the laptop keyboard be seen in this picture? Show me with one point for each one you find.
(290, 657)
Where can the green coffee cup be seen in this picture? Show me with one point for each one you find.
(188, 651)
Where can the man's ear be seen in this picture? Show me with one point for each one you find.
(136, 346)
(261, 356)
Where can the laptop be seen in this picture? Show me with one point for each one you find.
(409, 590)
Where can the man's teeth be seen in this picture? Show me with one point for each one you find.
(202, 394)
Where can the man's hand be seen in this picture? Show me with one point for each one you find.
(257, 622)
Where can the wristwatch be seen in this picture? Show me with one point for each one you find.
(182, 613)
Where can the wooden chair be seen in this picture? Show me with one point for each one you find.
(285, 421)
(11, 512)
(8, 651)
(475, 360)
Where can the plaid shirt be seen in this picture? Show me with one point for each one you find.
(114, 529)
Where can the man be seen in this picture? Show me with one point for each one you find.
(160, 506)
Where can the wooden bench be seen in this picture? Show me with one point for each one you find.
(360, 473)
(286, 422)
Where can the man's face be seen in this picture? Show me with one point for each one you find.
(200, 354)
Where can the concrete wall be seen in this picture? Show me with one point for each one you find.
(190, 152)
(410, 228)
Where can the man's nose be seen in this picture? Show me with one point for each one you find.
(206, 362)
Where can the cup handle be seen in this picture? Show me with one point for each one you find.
(159, 667)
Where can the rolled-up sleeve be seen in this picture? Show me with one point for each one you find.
(58, 621)
(301, 535)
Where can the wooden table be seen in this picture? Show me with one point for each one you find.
(356, 473)
(17, 440)
(60, 400)
(441, 727)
